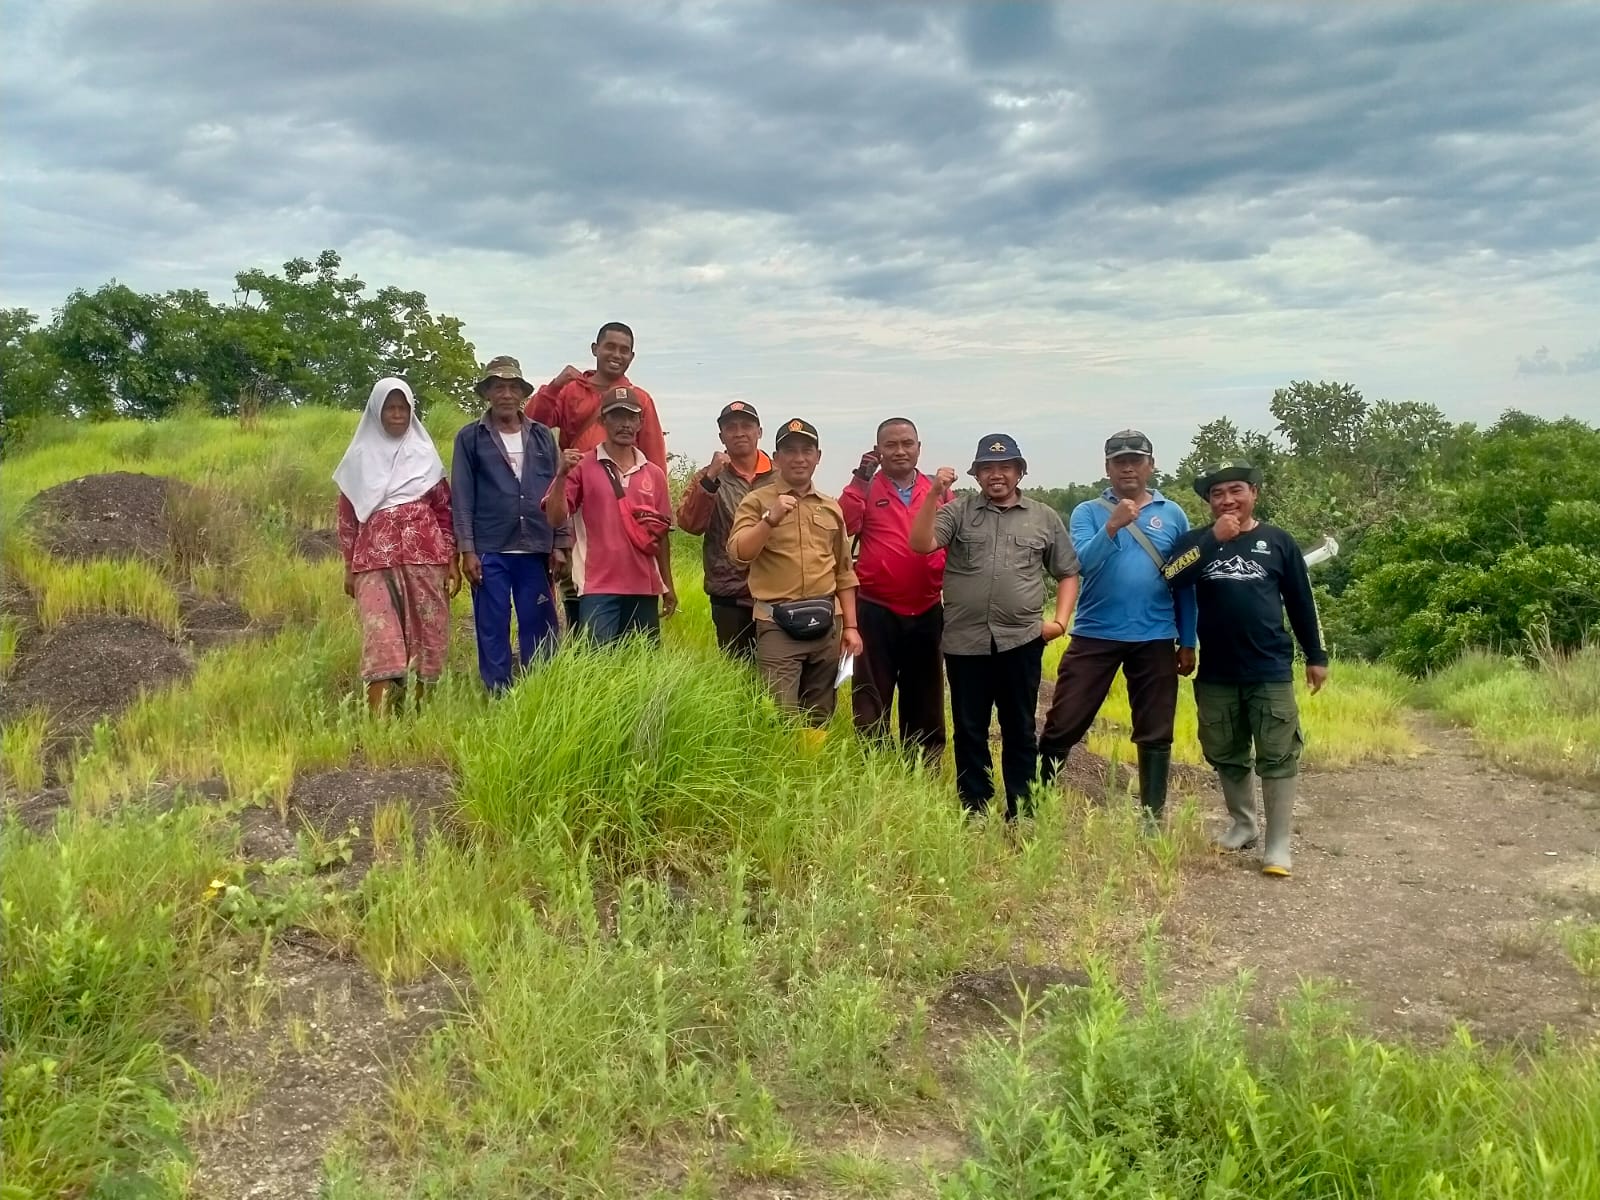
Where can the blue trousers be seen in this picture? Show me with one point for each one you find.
(523, 581)
(608, 618)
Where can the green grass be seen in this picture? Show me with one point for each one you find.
(1099, 1102)
(680, 935)
(1541, 717)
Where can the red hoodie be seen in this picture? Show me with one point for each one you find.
(891, 572)
(573, 411)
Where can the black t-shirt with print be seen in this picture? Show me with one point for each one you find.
(1244, 587)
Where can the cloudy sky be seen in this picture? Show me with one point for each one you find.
(1056, 221)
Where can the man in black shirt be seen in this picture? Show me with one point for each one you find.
(1246, 574)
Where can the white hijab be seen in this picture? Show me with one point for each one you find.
(379, 471)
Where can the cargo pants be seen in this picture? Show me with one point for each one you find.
(1236, 718)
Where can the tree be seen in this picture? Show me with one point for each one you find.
(1322, 422)
(28, 375)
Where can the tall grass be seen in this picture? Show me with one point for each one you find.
(1542, 717)
(104, 947)
(1099, 1102)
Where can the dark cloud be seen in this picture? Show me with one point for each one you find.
(1540, 362)
(893, 137)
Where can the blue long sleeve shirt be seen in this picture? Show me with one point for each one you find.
(1124, 597)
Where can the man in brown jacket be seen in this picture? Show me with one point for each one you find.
(791, 539)
(707, 508)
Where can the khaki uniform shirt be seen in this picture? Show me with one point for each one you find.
(994, 573)
(806, 557)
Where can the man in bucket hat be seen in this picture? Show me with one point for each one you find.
(1000, 545)
(1127, 619)
(1246, 574)
(502, 465)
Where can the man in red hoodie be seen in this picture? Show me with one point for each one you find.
(898, 607)
(570, 405)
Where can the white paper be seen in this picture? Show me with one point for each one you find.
(847, 663)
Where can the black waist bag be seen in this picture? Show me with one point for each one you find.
(804, 620)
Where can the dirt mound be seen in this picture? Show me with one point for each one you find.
(118, 515)
(334, 801)
(317, 544)
(998, 995)
(208, 623)
(84, 670)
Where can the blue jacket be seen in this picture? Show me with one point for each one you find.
(1124, 597)
(491, 508)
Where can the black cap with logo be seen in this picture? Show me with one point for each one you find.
(737, 409)
(799, 427)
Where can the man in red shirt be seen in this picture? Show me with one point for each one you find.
(570, 405)
(898, 607)
(621, 587)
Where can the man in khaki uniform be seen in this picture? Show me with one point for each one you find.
(791, 539)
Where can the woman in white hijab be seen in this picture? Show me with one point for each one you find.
(398, 543)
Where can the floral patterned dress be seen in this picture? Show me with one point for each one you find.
(400, 560)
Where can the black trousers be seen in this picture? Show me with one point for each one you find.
(735, 624)
(900, 653)
(1087, 671)
(1003, 683)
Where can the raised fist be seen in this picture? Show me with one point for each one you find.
(944, 480)
(568, 374)
(569, 460)
(1226, 527)
(718, 460)
(781, 508)
(869, 465)
(1127, 512)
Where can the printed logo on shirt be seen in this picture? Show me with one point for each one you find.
(1238, 568)
(1155, 523)
(882, 504)
(1260, 548)
(1187, 559)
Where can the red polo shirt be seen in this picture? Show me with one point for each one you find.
(891, 572)
(604, 560)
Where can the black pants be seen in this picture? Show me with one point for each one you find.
(900, 653)
(1004, 683)
(735, 624)
(1087, 670)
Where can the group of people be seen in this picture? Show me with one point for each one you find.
(557, 500)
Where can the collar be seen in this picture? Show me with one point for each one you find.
(1155, 496)
(1022, 502)
(588, 379)
(487, 422)
(763, 465)
(638, 459)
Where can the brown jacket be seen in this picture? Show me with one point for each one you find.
(711, 514)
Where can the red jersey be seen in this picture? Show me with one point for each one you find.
(573, 411)
(891, 573)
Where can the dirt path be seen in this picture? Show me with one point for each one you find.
(1425, 889)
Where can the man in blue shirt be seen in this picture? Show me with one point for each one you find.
(1127, 617)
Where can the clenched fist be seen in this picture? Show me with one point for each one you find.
(1127, 512)
(1226, 527)
(568, 374)
(718, 460)
(869, 465)
(944, 480)
(569, 460)
(781, 508)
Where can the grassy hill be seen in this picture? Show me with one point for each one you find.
(624, 932)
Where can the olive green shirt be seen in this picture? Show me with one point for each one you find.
(994, 572)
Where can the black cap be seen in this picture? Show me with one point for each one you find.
(997, 447)
(1226, 472)
(737, 408)
(799, 427)
(620, 397)
(1129, 441)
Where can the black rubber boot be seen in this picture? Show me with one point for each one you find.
(1155, 764)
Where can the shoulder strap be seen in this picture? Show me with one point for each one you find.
(615, 476)
(1139, 536)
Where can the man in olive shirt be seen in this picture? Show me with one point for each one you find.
(1001, 544)
(790, 539)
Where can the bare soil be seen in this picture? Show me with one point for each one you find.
(212, 622)
(87, 669)
(1424, 890)
(317, 544)
(341, 803)
(330, 1035)
(117, 515)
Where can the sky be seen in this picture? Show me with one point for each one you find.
(1052, 221)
